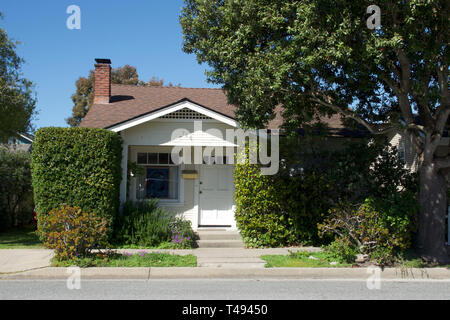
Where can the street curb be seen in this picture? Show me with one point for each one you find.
(52, 273)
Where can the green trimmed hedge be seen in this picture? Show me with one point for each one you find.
(78, 167)
(259, 213)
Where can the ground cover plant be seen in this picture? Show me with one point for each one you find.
(125, 259)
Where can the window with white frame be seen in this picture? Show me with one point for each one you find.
(160, 177)
(401, 151)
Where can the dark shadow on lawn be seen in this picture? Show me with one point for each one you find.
(19, 237)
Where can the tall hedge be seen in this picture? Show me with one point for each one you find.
(78, 167)
(259, 213)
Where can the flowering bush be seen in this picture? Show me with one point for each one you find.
(183, 237)
(73, 233)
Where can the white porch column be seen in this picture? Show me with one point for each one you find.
(196, 196)
(123, 183)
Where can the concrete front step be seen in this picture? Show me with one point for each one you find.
(219, 235)
(220, 244)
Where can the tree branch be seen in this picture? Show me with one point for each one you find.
(444, 109)
(442, 163)
(350, 114)
(405, 70)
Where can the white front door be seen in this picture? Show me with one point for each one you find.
(216, 195)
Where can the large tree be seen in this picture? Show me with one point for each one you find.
(17, 101)
(319, 57)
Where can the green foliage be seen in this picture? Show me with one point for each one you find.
(73, 233)
(79, 167)
(142, 223)
(303, 259)
(388, 176)
(16, 195)
(380, 228)
(305, 197)
(145, 224)
(342, 250)
(17, 102)
(258, 214)
(286, 208)
(141, 259)
(320, 57)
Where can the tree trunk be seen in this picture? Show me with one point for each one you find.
(433, 202)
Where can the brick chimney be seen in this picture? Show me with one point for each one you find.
(102, 81)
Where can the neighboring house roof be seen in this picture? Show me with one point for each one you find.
(129, 102)
(29, 138)
(21, 138)
(21, 141)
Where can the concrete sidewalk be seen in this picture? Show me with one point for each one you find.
(16, 260)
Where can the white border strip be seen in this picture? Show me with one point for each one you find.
(173, 108)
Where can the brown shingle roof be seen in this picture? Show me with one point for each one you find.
(128, 102)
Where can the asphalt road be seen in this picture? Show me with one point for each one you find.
(222, 289)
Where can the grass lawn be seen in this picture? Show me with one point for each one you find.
(20, 239)
(141, 259)
(162, 245)
(301, 259)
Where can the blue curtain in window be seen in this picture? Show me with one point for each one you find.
(157, 183)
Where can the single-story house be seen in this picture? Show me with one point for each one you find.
(148, 117)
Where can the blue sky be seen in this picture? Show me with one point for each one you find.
(143, 33)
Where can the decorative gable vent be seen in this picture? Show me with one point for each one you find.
(186, 114)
